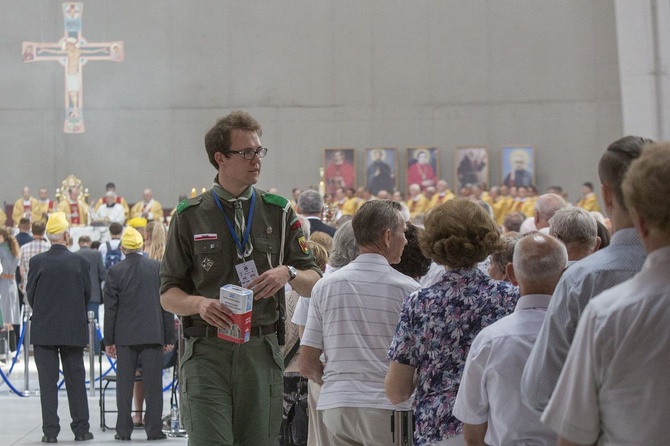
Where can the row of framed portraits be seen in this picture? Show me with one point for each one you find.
(421, 166)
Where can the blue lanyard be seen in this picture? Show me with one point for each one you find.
(247, 231)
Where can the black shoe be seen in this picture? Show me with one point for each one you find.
(47, 439)
(157, 437)
(84, 437)
(121, 438)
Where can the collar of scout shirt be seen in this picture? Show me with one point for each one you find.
(225, 195)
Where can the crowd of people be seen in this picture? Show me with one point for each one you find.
(493, 317)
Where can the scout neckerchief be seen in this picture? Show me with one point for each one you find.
(242, 229)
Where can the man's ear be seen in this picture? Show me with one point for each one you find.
(220, 158)
(640, 225)
(387, 237)
(509, 270)
(607, 194)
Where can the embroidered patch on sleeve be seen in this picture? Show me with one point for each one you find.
(303, 244)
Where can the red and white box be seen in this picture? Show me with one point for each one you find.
(240, 301)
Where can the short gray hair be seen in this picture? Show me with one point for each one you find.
(547, 205)
(345, 248)
(574, 226)
(505, 255)
(539, 261)
(310, 202)
(373, 219)
(57, 238)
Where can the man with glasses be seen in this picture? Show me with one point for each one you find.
(232, 393)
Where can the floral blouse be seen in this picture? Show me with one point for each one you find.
(436, 328)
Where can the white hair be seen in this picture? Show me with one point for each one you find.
(574, 226)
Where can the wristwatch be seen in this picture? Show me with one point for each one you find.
(292, 272)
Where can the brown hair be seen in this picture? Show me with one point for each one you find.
(217, 139)
(11, 242)
(615, 161)
(459, 233)
(155, 235)
(319, 252)
(322, 239)
(646, 181)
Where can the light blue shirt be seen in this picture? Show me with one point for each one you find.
(582, 281)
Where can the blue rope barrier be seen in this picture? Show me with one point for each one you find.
(112, 366)
(12, 388)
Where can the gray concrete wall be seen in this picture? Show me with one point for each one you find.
(317, 74)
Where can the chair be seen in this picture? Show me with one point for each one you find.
(104, 383)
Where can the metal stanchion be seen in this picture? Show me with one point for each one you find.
(27, 314)
(176, 423)
(91, 351)
(402, 426)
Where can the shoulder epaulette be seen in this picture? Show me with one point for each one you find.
(185, 204)
(277, 200)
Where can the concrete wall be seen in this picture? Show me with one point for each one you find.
(316, 74)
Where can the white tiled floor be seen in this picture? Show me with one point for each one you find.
(20, 417)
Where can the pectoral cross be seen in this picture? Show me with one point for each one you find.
(73, 51)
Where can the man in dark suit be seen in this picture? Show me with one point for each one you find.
(136, 327)
(97, 276)
(310, 205)
(58, 290)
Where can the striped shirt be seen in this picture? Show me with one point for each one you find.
(581, 282)
(352, 318)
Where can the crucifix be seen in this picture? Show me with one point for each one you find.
(73, 51)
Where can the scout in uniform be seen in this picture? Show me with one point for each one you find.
(233, 234)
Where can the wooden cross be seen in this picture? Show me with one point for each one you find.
(73, 51)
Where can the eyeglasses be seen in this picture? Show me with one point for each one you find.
(249, 154)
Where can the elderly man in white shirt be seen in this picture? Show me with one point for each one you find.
(614, 387)
(111, 211)
(489, 398)
(352, 318)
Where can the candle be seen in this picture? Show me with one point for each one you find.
(322, 182)
(193, 192)
(204, 190)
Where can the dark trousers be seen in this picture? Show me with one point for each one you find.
(152, 382)
(72, 358)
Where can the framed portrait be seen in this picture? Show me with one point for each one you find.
(381, 165)
(339, 168)
(518, 166)
(471, 166)
(422, 166)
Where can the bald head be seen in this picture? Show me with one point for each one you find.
(539, 261)
(545, 208)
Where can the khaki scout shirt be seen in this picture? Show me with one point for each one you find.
(200, 255)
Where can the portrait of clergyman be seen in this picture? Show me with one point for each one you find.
(381, 165)
(340, 169)
(472, 166)
(518, 166)
(422, 166)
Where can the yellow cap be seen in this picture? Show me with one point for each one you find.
(132, 239)
(138, 222)
(57, 223)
